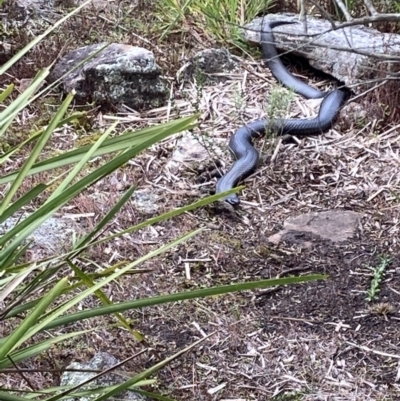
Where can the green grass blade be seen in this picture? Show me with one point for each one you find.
(46, 210)
(36, 349)
(21, 235)
(168, 215)
(127, 140)
(48, 320)
(35, 152)
(18, 204)
(18, 335)
(106, 218)
(12, 257)
(83, 393)
(146, 373)
(17, 309)
(180, 14)
(19, 103)
(4, 157)
(8, 397)
(15, 282)
(9, 113)
(104, 299)
(162, 299)
(6, 92)
(165, 216)
(74, 172)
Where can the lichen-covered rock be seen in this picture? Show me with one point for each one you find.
(209, 65)
(22, 10)
(118, 74)
(101, 361)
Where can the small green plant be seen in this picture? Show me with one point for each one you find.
(279, 102)
(378, 274)
(278, 105)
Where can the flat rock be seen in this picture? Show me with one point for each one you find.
(53, 236)
(118, 74)
(101, 361)
(190, 149)
(333, 225)
(349, 54)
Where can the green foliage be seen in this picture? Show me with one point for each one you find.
(222, 20)
(378, 274)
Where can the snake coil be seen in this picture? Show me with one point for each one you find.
(240, 143)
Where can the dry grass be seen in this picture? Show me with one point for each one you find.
(320, 341)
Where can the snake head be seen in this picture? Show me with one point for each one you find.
(232, 199)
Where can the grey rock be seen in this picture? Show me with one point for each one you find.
(118, 74)
(209, 65)
(323, 50)
(333, 225)
(101, 361)
(192, 149)
(145, 201)
(52, 237)
(20, 12)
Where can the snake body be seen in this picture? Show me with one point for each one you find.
(241, 142)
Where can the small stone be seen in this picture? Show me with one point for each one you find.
(191, 149)
(208, 62)
(333, 225)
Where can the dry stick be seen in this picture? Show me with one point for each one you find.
(324, 13)
(368, 90)
(330, 20)
(370, 7)
(392, 17)
(303, 14)
(32, 387)
(367, 349)
(344, 10)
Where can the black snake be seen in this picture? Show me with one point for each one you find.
(241, 142)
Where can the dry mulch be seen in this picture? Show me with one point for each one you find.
(315, 341)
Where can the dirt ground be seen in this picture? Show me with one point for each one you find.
(314, 341)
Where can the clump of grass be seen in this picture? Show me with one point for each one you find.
(222, 20)
(378, 274)
(382, 308)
